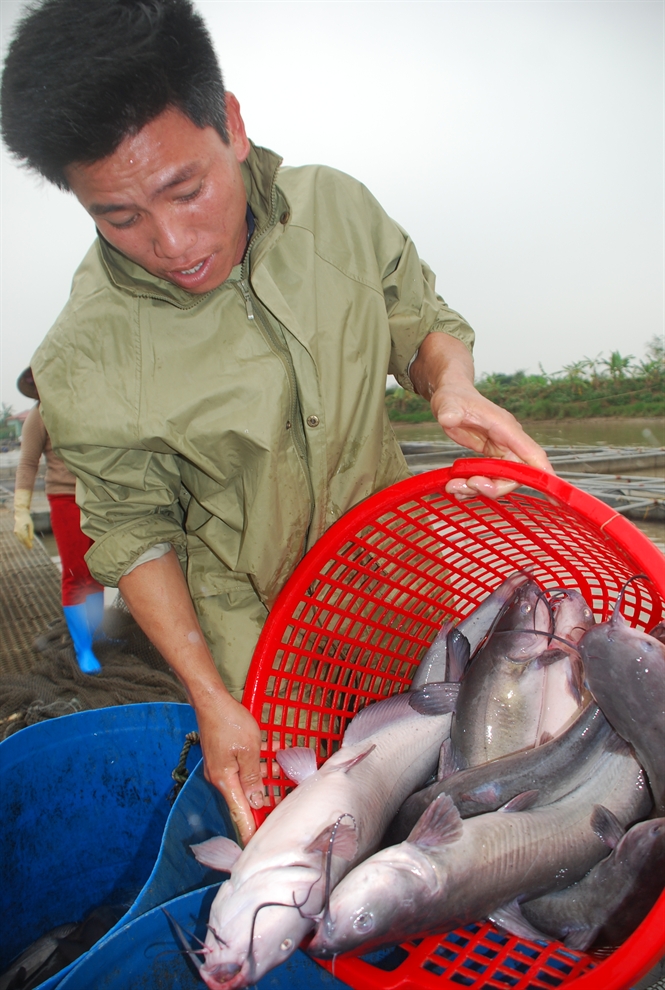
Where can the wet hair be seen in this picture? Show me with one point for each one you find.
(81, 75)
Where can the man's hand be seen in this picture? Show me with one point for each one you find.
(158, 598)
(231, 743)
(443, 373)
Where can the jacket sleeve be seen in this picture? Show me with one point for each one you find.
(414, 308)
(129, 502)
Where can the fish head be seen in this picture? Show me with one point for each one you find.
(525, 627)
(573, 616)
(643, 846)
(258, 926)
(368, 907)
(613, 645)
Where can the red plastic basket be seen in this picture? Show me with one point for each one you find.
(357, 616)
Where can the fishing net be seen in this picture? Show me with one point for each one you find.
(39, 676)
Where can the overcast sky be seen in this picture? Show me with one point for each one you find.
(519, 143)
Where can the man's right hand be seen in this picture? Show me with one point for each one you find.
(158, 597)
(231, 744)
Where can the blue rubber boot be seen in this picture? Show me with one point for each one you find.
(94, 610)
(77, 623)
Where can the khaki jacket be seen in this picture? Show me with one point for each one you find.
(240, 424)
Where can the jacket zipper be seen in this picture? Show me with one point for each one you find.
(253, 309)
(280, 348)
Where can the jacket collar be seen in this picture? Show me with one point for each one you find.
(259, 174)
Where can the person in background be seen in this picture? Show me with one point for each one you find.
(82, 596)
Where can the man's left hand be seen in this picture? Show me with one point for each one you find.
(443, 373)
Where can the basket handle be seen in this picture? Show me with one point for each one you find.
(494, 467)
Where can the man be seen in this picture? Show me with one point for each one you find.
(216, 381)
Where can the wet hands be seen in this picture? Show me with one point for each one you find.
(231, 743)
(471, 420)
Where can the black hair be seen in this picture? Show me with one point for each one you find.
(81, 75)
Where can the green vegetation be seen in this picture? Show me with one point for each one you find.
(5, 430)
(614, 386)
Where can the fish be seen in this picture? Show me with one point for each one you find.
(553, 769)
(435, 665)
(658, 632)
(501, 694)
(605, 907)
(21, 971)
(564, 693)
(280, 882)
(624, 669)
(451, 872)
(56, 949)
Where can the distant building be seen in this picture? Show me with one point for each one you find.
(15, 423)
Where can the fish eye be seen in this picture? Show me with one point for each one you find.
(364, 922)
(525, 608)
(587, 613)
(286, 944)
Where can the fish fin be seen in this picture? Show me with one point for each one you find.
(658, 632)
(438, 698)
(458, 653)
(550, 656)
(575, 680)
(510, 918)
(581, 938)
(377, 716)
(355, 760)
(433, 665)
(298, 762)
(616, 744)
(345, 843)
(521, 802)
(447, 760)
(485, 796)
(220, 853)
(439, 825)
(607, 826)
(545, 737)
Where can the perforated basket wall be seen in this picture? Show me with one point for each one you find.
(359, 613)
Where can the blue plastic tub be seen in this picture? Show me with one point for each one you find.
(199, 812)
(143, 955)
(85, 800)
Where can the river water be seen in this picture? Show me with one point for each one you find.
(565, 432)
(571, 433)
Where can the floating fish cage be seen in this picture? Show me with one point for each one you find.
(358, 615)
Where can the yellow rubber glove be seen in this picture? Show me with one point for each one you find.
(23, 527)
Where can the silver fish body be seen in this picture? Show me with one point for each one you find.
(553, 769)
(452, 872)
(501, 695)
(34, 959)
(332, 820)
(564, 693)
(608, 904)
(475, 627)
(625, 672)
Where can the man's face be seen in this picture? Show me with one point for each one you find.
(172, 198)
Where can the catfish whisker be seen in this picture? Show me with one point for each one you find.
(250, 952)
(218, 938)
(326, 897)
